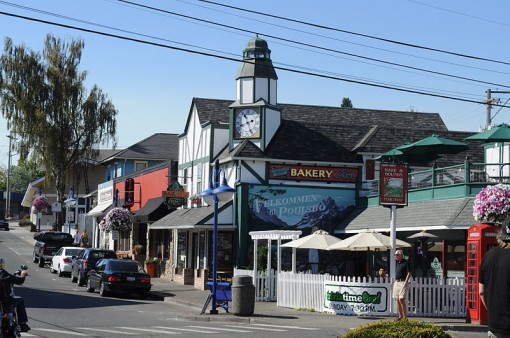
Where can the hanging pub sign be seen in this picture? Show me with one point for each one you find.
(175, 195)
(393, 184)
(312, 173)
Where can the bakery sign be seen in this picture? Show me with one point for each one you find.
(312, 173)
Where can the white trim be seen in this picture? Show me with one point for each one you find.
(99, 209)
(435, 227)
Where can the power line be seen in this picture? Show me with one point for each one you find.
(319, 47)
(336, 78)
(357, 34)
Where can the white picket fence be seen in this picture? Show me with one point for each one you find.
(428, 297)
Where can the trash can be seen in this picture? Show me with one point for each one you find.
(243, 296)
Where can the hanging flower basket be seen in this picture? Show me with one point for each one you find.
(40, 204)
(118, 219)
(492, 204)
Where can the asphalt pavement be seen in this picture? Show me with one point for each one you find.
(192, 301)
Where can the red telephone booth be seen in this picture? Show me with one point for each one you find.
(481, 238)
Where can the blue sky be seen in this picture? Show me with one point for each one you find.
(152, 87)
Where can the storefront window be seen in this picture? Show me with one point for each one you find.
(182, 248)
(225, 251)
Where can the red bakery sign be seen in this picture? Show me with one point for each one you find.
(312, 173)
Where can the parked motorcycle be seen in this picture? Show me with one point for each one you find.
(10, 327)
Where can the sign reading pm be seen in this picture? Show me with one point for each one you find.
(363, 300)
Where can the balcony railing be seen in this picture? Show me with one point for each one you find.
(462, 174)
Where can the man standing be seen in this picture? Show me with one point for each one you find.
(76, 238)
(494, 284)
(401, 285)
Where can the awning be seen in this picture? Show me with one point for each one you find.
(98, 209)
(197, 218)
(154, 209)
(448, 214)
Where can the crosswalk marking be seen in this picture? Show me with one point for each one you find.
(218, 328)
(288, 327)
(180, 329)
(257, 328)
(145, 330)
(104, 330)
(72, 333)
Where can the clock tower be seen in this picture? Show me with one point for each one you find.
(255, 114)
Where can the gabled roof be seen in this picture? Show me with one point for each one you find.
(215, 110)
(160, 146)
(333, 134)
(448, 213)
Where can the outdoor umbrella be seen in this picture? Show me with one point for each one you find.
(423, 236)
(500, 133)
(435, 145)
(367, 240)
(320, 239)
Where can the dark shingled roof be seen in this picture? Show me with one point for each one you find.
(333, 134)
(449, 213)
(160, 146)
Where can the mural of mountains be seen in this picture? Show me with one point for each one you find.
(264, 217)
(327, 216)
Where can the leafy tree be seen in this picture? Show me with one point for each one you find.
(22, 174)
(57, 121)
(346, 103)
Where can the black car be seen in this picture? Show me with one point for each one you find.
(85, 261)
(47, 244)
(4, 225)
(120, 276)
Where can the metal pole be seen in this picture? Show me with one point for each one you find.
(489, 107)
(215, 238)
(8, 197)
(393, 239)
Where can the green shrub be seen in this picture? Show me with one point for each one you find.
(398, 329)
(25, 222)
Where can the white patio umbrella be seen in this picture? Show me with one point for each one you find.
(422, 235)
(366, 241)
(320, 239)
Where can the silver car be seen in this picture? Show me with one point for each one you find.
(63, 259)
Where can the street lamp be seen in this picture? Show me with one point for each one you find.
(214, 194)
(70, 201)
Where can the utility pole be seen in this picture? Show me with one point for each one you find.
(489, 102)
(8, 197)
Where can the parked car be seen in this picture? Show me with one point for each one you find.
(4, 225)
(85, 261)
(120, 276)
(48, 243)
(63, 259)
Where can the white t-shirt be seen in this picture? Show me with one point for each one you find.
(76, 238)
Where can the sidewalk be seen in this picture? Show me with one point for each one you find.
(192, 300)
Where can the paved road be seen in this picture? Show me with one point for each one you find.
(59, 308)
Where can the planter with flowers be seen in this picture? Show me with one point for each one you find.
(492, 204)
(151, 266)
(195, 199)
(117, 219)
(40, 204)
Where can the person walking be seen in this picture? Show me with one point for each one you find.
(401, 285)
(84, 239)
(76, 238)
(494, 284)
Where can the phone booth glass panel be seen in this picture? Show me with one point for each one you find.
(481, 238)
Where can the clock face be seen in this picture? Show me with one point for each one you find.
(247, 123)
